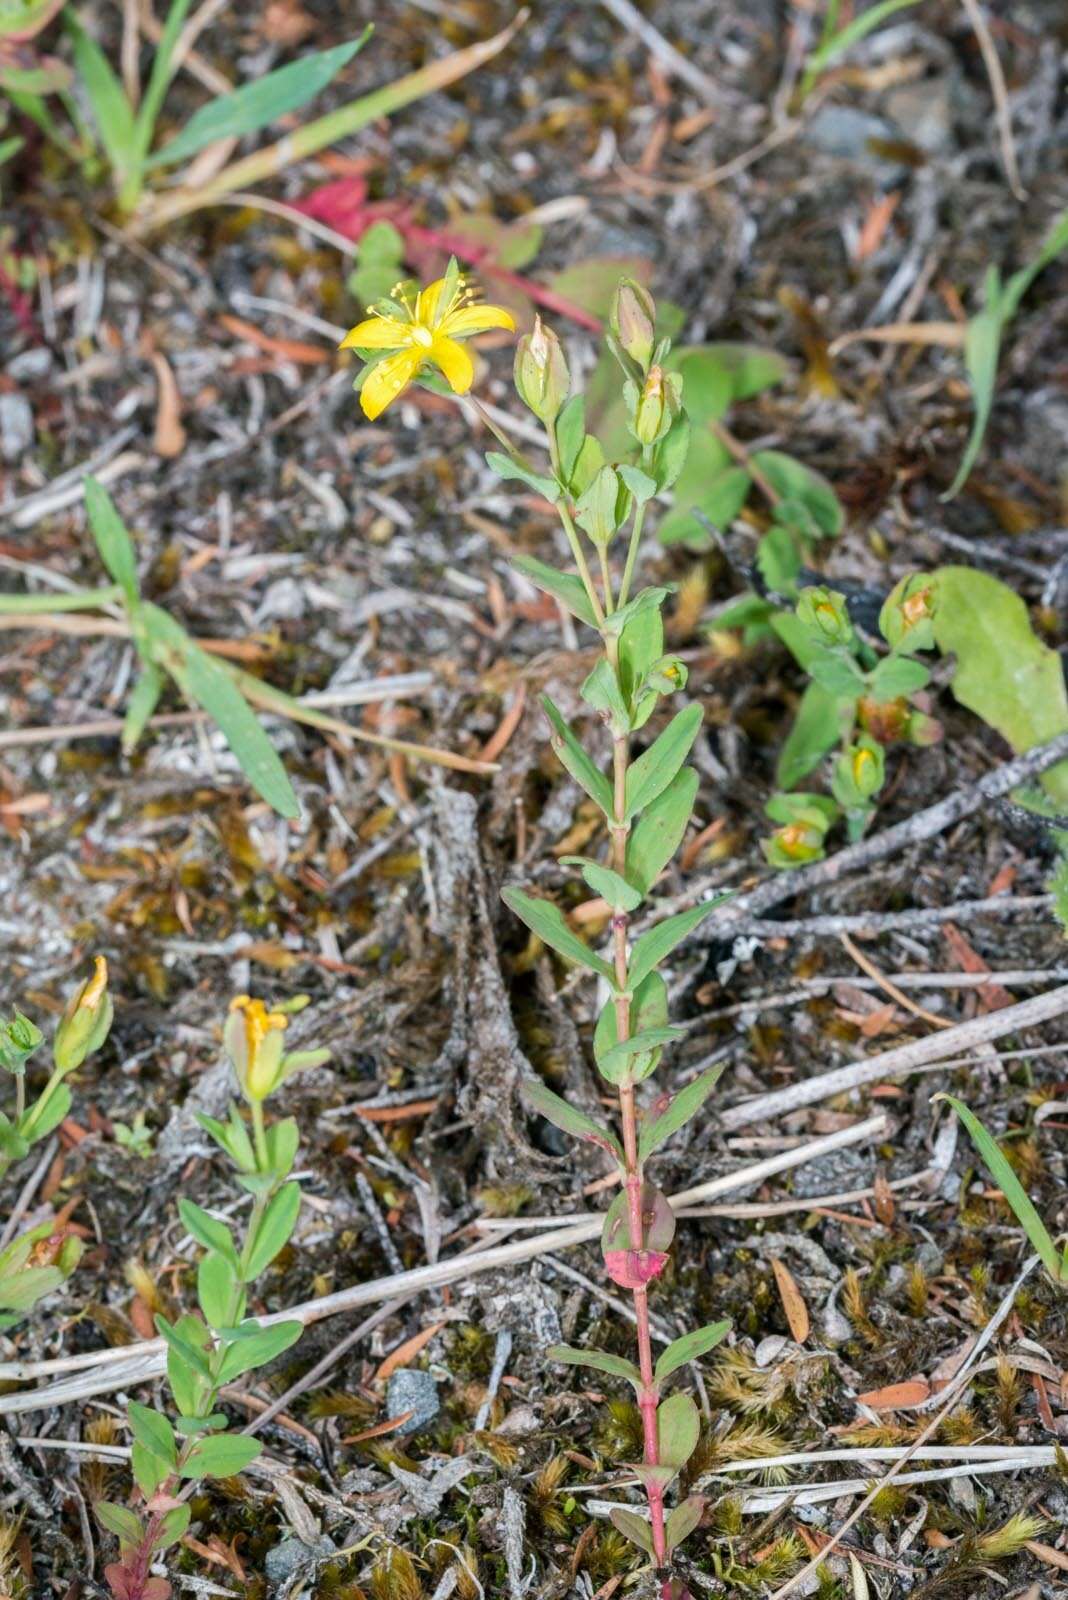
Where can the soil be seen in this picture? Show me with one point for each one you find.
(339, 554)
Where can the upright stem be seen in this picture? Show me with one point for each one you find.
(648, 1396)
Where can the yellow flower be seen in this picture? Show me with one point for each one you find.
(420, 332)
(254, 1040)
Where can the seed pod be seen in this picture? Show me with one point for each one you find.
(85, 1022)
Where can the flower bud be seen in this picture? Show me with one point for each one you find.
(885, 720)
(542, 380)
(824, 612)
(631, 319)
(85, 1022)
(253, 1040)
(657, 406)
(793, 845)
(666, 676)
(19, 1038)
(859, 773)
(906, 619)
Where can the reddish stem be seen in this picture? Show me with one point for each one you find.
(648, 1396)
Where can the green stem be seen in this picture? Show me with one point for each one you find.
(29, 605)
(259, 1135)
(632, 556)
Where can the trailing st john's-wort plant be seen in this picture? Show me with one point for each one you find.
(646, 801)
(39, 1259)
(207, 1352)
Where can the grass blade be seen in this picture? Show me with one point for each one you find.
(1010, 1186)
(111, 109)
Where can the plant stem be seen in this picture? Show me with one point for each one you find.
(580, 561)
(632, 556)
(28, 605)
(648, 1396)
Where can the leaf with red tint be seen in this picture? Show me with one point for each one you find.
(118, 1580)
(675, 1589)
(633, 1269)
(658, 1222)
(343, 205)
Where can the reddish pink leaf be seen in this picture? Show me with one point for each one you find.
(633, 1269)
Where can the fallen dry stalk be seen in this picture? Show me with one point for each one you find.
(124, 1367)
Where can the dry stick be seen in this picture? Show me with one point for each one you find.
(132, 1364)
(952, 1393)
(876, 922)
(672, 60)
(901, 1060)
(922, 825)
(1002, 113)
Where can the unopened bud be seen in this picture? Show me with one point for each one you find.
(19, 1038)
(542, 380)
(85, 1022)
(657, 406)
(907, 618)
(859, 773)
(631, 319)
(253, 1040)
(666, 676)
(885, 720)
(824, 611)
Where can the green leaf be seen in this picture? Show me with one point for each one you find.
(111, 110)
(547, 921)
(569, 590)
(836, 672)
(42, 1119)
(220, 1455)
(599, 1360)
(283, 1138)
(632, 1527)
(897, 675)
(678, 1426)
(209, 686)
(659, 942)
(683, 1520)
(641, 486)
(845, 38)
(189, 1383)
(618, 620)
(641, 645)
(601, 690)
(216, 1287)
(794, 481)
(603, 881)
(142, 703)
(659, 830)
(172, 1527)
(1010, 1186)
(982, 348)
(257, 104)
(816, 729)
(152, 1430)
(276, 1226)
(149, 1472)
(689, 1348)
(188, 1347)
(112, 539)
(258, 1348)
(570, 432)
(232, 1137)
(159, 79)
(657, 766)
(207, 1230)
(614, 1061)
(681, 1108)
(121, 1521)
(507, 467)
(779, 560)
(1004, 673)
(540, 1098)
(648, 1010)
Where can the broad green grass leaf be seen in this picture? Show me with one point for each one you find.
(562, 585)
(599, 1360)
(683, 1106)
(221, 1455)
(659, 942)
(112, 539)
(159, 79)
(690, 1348)
(1004, 673)
(547, 921)
(142, 703)
(540, 1098)
(659, 830)
(794, 481)
(209, 686)
(655, 768)
(574, 758)
(868, 20)
(678, 1425)
(111, 110)
(257, 104)
(816, 729)
(278, 1222)
(1010, 1186)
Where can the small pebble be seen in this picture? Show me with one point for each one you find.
(16, 426)
(283, 1559)
(414, 1391)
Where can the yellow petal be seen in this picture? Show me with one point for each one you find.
(454, 362)
(460, 324)
(377, 333)
(389, 379)
(426, 307)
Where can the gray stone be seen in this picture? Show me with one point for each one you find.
(845, 132)
(284, 1559)
(16, 426)
(414, 1391)
(30, 364)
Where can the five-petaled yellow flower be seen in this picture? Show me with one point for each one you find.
(423, 331)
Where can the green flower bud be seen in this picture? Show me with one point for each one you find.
(542, 380)
(824, 612)
(85, 1023)
(793, 845)
(859, 773)
(632, 319)
(666, 676)
(657, 406)
(253, 1038)
(19, 1038)
(906, 620)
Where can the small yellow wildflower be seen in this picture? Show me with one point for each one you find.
(94, 989)
(256, 1050)
(420, 332)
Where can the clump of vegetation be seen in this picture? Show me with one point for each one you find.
(206, 1352)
